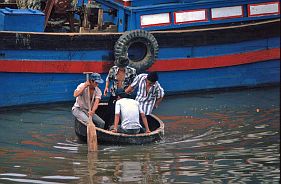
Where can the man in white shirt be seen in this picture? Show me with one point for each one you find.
(80, 109)
(128, 110)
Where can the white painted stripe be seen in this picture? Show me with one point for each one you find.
(190, 16)
(155, 19)
(261, 9)
(227, 12)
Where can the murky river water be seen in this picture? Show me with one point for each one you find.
(226, 137)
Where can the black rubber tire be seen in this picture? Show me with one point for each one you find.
(123, 44)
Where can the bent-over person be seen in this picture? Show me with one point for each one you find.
(150, 93)
(129, 111)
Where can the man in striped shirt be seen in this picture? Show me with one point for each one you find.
(149, 94)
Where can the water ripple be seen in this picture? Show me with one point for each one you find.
(29, 181)
(67, 148)
(61, 177)
(13, 174)
(222, 139)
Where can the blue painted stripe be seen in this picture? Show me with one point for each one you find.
(32, 88)
(29, 88)
(216, 50)
(242, 75)
(87, 55)
(164, 53)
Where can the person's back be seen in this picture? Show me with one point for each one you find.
(129, 112)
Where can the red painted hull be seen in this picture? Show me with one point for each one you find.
(159, 65)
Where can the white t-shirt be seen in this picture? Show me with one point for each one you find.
(129, 110)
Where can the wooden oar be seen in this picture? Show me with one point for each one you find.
(91, 128)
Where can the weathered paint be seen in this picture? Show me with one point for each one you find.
(35, 88)
(40, 68)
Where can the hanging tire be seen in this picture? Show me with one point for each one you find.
(139, 46)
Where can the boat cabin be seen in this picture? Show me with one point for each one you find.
(127, 15)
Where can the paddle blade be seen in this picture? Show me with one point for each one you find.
(92, 137)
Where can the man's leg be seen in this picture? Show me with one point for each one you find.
(80, 115)
(98, 121)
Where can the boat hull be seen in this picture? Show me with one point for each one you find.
(107, 137)
(38, 68)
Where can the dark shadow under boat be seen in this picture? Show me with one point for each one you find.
(107, 137)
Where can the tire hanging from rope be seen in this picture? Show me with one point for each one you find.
(129, 38)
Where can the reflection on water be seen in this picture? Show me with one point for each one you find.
(229, 137)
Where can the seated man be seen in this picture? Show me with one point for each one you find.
(129, 111)
(81, 108)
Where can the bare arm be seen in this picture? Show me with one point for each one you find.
(144, 120)
(116, 121)
(95, 107)
(129, 89)
(106, 88)
(79, 91)
(157, 103)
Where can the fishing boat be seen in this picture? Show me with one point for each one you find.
(194, 45)
(107, 137)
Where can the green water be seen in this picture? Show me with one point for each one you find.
(223, 137)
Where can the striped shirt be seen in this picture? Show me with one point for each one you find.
(147, 101)
(130, 74)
